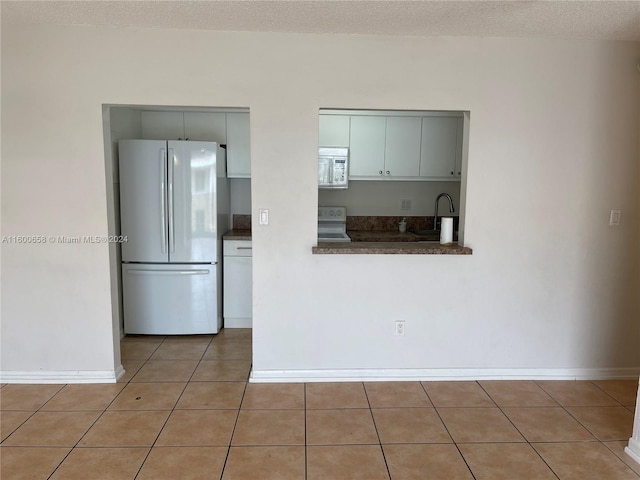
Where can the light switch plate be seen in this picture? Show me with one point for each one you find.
(614, 218)
(263, 216)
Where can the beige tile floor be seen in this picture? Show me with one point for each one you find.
(184, 410)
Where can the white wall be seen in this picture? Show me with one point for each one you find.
(550, 288)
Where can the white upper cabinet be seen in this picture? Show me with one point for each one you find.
(402, 149)
(238, 146)
(334, 131)
(205, 127)
(459, 139)
(230, 128)
(397, 146)
(441, 152)
(367, 146)
(198, 126)
(162, 125)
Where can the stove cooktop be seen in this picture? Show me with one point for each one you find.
(332, 224)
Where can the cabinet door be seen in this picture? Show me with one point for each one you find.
(458, 169)
(439, 147)
(205, 126)
(238, 146)
(367, 141)
(237, 292)
(402, 149)
(158, 125)
(334, 131)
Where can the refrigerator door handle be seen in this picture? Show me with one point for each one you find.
(163, 198)
(202, 271)
(172, 236)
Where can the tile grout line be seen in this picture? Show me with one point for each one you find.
(448, 432)
(32, 415)
(304, 405)
(564, 407)
(518, 430)
(628, 466)
(596, 439)
(375, 426)
(174, 405)
(103, 411)
(233, 431)
(99, 416)
(605, 392)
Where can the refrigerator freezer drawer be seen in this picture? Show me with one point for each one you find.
(170, 299)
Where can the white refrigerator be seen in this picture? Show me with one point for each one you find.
(174, 208)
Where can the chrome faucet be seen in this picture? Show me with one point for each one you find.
(451, 209)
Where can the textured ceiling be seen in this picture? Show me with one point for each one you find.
(618, 20)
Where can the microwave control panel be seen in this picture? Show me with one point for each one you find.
(339, 170)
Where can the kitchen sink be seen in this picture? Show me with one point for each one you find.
(425, 233)
(426, 236)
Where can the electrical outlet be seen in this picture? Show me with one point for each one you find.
(405, 204)
(614, 218)
(400, 327)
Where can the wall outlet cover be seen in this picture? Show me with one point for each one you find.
(614, 218)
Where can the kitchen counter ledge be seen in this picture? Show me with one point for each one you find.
(390, 248)
(237, 234)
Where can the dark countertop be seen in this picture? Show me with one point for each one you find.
(386, 248)
(237, 234)
(373, 242)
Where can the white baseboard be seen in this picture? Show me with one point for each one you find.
(238, 322)
(75, 376)
(440, 374)
(633, 449)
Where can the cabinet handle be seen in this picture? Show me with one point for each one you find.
(244, 248)
(451, 173)
(380, 172)
(388, 172)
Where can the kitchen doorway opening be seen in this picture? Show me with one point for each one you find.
(225, 126)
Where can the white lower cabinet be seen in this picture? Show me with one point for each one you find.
(237, 284)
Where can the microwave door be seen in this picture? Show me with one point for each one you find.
(324, 172)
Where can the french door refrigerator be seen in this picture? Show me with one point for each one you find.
(174, 208)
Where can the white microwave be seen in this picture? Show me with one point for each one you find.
(333, 167)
